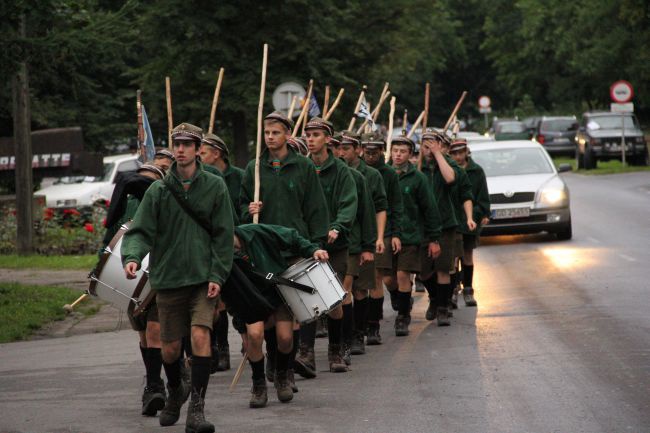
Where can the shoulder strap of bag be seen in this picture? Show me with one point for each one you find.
(186, 207)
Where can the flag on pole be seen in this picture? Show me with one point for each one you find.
(364, 113)
(149, 146)
(314, 109)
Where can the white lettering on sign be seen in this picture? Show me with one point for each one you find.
(38, 161)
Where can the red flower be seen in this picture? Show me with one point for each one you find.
(89, 228)
(48, 214)
(71, 212)
(104, 222)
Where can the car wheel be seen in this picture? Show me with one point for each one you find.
(641, 160)
(566, 233)
(580, 162)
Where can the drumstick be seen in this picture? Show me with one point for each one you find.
(70, 307)
(239, 372)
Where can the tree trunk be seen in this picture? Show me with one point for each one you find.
(240, 140)
(23, 153)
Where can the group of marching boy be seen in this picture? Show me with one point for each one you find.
(353, 200)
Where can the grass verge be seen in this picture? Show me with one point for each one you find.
(14, 261)
(25, 309)
(604, 167)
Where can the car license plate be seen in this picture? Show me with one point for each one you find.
(561, 141)
(517, 212)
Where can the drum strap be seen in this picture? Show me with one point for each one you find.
(277, 279)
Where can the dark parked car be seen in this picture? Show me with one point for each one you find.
(532, 122)
(599, 139)
(513, 130)
(557, 134)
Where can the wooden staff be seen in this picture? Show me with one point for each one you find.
(239, 372)
(292, 106)
(327, 100)
(215, 100)
(305, 109)
(356, 108)
(415, 125)
(425, 121)
(391, 115)
(335, 104)
(138, 104)
(258, 149)
(453, 113)
(307, 106)
(375, 112)
(170, 120)
(405, 121)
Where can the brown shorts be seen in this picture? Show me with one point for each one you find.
(470, 242)
(366, 280)
(445, 261)
(139, 322)
(339, 262)
(407, 260)
(180, 309)
(353, 265)
(458, 245)
(385, 261)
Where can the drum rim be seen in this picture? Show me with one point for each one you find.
(105, 255)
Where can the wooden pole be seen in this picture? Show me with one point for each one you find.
(375, 112)
(239, 372)
(425, 121)
(215, 100)
(391, 116)
(302, 119)
(307, 106)
(292, 106)
(335, 104)
(327, 100)
(453, 113)
(415, 125)
(356, 108)
(138, 104)
(170, 120)
(258, 149)
(405, 121)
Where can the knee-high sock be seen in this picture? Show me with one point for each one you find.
(221, 329)
(348, 323)
(296, 342)
(361, 314)
(200, 374)
(152, 363)
(308, 334)
(404, 303)
(334, 330)
(282, 361)
(258, 369)
(271, 343)
(375, 309)
(468, 275)
(173, 372)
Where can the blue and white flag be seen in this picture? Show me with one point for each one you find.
(149, 147)
(364, 113)
(314, 109)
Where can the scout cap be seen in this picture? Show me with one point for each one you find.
(213, 140)
(373, 140)
(458, 144)
(152, 169)
(350, 137)
(318, 123)
(299, 145)
(336, 139)
(164, 153)
(432, 134)
(279, 117)
(187, 132)
(403, 140)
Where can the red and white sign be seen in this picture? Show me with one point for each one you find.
(484, 101)
(621, 92)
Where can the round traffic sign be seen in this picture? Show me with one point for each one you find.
(484, 101)
(283, 95)
(621, 92)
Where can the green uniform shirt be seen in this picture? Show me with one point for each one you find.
(263, 245)
(461, 191)
(480, 193)
(341, 198)
(442, 191)
(233, 177)
(375, 186)
(421, 222)
(216, 172)
(182, 252)
(395, 210)
(364, 230)
(291, 195)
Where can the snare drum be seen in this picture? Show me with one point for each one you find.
(328, 292)
(110, 283)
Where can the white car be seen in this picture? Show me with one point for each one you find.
(84, 191)
(526, 193)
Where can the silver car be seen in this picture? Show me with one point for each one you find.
(526, 193)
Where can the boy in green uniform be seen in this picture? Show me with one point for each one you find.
(341, 205)
(363, 238)
(373, 146)
(459, 151)
(185, 223)
(420, 230)
(290, 195)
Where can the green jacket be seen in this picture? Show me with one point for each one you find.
(461, 191)
(442, 191)
(263, 245)
(364, 230)
(421, 222)
(395, 211)
(216, 172)
(233, 177)
(292, 196)
(132, 204)
(480, 193)
(182, 252)
(375, 185)
(341, 198)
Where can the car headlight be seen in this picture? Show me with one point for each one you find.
(66, 203)
(553, 194)
(552, 197)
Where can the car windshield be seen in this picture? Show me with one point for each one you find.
(510, 127)
(512, 162)
(612, 122)
(108, 169)
(559, 125)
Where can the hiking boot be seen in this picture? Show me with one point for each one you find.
(305, 363)
(269, 368)
(321, 327)
(454, 300)
(223, 355)
(374, 339)
(431, 312)
(393, 300)
(443, 316)
(468, 297)
(172, 410)
(153, 398)
(283, 386)
(195, 421)
(402, 326)
(346, 353)
(337, 365)
(292, 380)
(259, 397)
(358, 344)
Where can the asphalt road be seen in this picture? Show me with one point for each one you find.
(559, 343)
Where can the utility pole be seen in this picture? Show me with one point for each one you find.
(23, 153)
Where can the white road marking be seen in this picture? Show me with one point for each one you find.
(626, 257)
